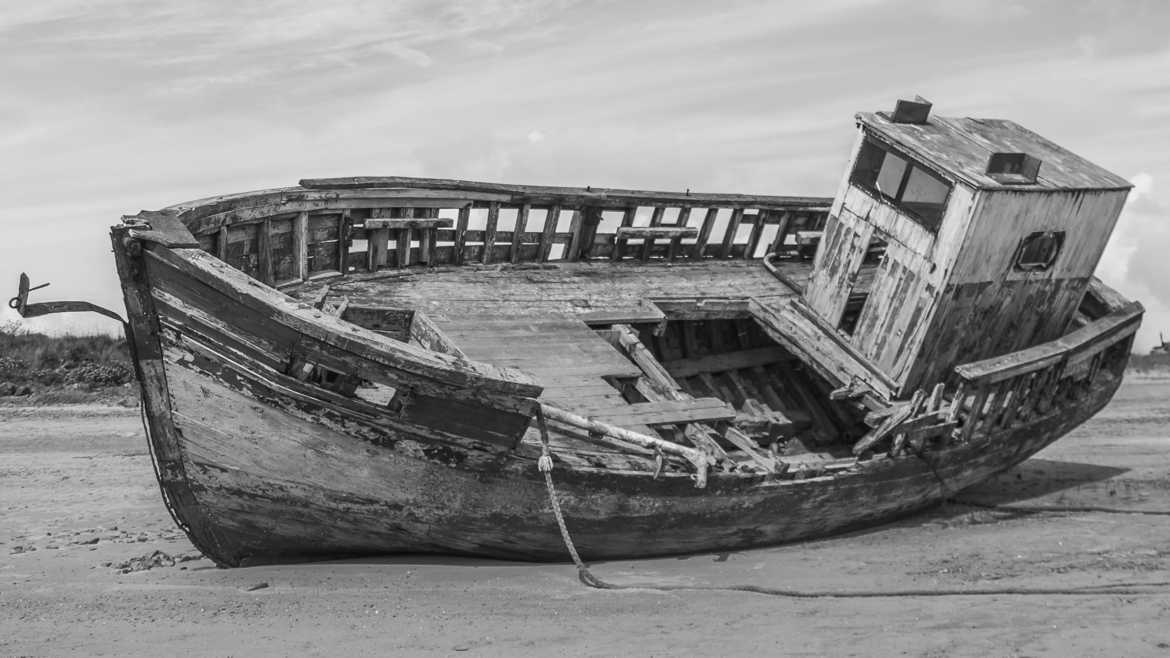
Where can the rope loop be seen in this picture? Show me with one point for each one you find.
(545, 463)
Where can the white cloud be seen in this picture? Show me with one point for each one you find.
(1135, 260)
(140, 103)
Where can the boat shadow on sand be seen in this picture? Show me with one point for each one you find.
(1071, 483)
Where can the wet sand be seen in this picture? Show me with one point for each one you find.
(78, 503)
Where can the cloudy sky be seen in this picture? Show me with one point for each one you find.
(112, 107)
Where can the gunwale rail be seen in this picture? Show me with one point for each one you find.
(327, 227)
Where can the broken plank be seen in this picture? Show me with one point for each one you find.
(667, 412)
(657, 231)
(395, 223)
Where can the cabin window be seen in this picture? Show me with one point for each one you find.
(1038, 251)
(913, 188)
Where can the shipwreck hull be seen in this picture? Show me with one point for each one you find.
(258, 465)
(248, 467)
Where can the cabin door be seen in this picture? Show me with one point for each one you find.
(836, 267)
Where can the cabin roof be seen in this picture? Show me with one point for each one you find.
(961, 146)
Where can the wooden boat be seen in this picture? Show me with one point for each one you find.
(365, 365)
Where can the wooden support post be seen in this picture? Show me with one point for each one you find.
(732, 229)
(344, 226)
(648, 241)
(264, 250)
(975, 417)
(936, 397)
(684, 215)
(301, 245)
(489, 232)
(757, 232)
(518, 232)
(378, 240)
(781, 231)
(704, 233)
(573, 250)
(957, 403)
(1041, 383)
(403, 247)
(591, 218)
(426, 245)
(619, 242)
(461, 234)
(549, 232)
(1014, 400)
(647, 245)
(221, 242)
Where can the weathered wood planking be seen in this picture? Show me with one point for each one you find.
(379, 216)
(569, 360)
(377, 496)
(192, 272)
(933, 284)
(585, 289)
(664, 412)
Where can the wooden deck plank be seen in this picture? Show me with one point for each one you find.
(559, 350)
(665, 412)
(534, 319)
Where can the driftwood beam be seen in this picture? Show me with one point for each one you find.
(518, 232)
(394, 223)
(700, 460)
(657, 231)
(596, 196)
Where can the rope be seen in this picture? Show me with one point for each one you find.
(545, 465)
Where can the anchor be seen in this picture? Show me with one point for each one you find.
(20, 304)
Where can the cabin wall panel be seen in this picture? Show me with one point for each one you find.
(987, 308)
(1006, 217)
(902, 295)
(985, 319)
(837, 262)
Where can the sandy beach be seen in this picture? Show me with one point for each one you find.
(91, 563)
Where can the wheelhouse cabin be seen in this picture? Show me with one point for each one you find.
(956, 239)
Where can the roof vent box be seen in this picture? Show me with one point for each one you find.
(1013, 168)
(915, 111)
